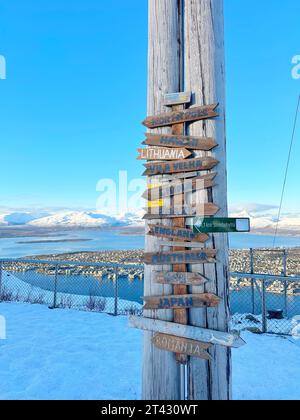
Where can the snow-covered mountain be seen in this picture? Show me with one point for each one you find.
(265, 223)
(260, 222)
(19, 218)
(86, 219)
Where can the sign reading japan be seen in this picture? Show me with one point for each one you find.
(221, 225)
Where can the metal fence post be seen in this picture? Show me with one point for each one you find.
(55, 288)
(264, 307)
(285, 284)
(116, 291)
(252, 280)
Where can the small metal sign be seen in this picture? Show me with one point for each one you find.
(221, 225)
(180, 98)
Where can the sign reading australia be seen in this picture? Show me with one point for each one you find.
(2, 68)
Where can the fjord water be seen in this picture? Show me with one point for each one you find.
(96, 240)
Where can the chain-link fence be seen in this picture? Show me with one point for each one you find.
(264, 302)
(268, 302)
(101, 287)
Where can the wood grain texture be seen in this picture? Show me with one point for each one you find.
(189, 165)
(203, 300)
(163, 78)
(180, 187)
(186, 331)
(181, 116)
(206, 209)
(181, 234)
(191, 245)
(182, 345)
(163, 153)
(180, 314)
(186, 279)
(205, 76)
(188, 142)
(203, 256)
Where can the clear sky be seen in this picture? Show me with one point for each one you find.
(75, 95)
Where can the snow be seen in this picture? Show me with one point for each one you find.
(240, 322)
(73, 355)
(66, 354)
(92, 219)
(26, 293)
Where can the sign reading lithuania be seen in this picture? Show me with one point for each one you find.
(221, 225)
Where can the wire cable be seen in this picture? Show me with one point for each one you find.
(287, 171)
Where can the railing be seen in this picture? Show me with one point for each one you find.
(268, 301)
(65, 284)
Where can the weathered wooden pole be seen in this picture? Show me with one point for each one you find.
(204, 65)
(186, 52)
(161, 373)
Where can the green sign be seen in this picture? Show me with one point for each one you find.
(221, 225)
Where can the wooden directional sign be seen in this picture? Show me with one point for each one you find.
(187, 331)
(181, 98)
(177, 117)
(221, 225)
(163, 153)
(204, 256)
(188, 142)
(207, 209)
(181, 244)
(206, 300)
(189, 165)
(182, 346)
(176, 233)
(186, 279)
(180, 186)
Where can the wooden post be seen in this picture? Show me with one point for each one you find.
(161, 373)
(186, 52)
(205, 76)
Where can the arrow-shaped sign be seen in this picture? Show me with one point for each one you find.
(163, 153)
(205, 300)
(188, 142)
(181, 345)
(203, 256)
(177, 117)
(187, 331)
(182, 234)
(179, 187)
(186, 279)
(206, 209)
(189, 165)
(221, 225)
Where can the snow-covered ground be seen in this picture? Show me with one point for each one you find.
(67, 354)
(24, 292)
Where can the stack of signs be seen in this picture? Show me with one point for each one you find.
(173, 157)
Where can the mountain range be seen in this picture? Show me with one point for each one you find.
(260, 222)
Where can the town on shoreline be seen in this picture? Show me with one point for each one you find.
(265, 262)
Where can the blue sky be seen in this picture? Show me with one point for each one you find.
(75, 95)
